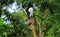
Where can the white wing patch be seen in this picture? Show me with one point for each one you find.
(31, 11)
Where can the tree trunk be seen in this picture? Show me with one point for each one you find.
(33, 26)
(41, 33)
(0, 9)
(51, 1)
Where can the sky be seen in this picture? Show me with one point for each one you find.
(13, 8)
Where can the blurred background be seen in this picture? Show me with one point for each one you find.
(46, 18)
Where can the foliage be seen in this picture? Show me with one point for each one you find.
(5, 29)
(18, 28)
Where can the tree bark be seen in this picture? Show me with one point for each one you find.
(33, 26)
(51, 1)
(41, 33)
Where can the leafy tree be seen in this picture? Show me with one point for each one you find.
(4, 2)
(47, 23)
